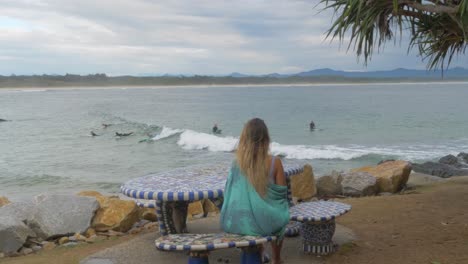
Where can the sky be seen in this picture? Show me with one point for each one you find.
(207, 37)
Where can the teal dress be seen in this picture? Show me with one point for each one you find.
(245, 212)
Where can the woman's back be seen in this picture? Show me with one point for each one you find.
(246, 212)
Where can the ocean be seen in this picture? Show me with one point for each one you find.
(47, 147)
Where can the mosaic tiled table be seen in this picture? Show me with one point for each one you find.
(172, 191)
(318, 224)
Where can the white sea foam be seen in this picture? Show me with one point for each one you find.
(33, 90)
(193, 140)
(167, 132)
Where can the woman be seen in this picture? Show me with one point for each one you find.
(255, 197)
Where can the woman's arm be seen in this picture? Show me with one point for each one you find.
(279, 176)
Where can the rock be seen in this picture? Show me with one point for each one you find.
(135, 230)
(18, 210)
(383, 161)
(151, 226)
(359, 184)
(453, 161)
(4, 201)
(114, 233)
(90, 232)
(63, 240)
(13, 234)
(439, 169)
(463, 156)
(36, 248)
(48, 245)
(303, 185)
(90, 193)
(26, 251)
(114, 214)
(59, 214)
(449, 159)
(148, 214)
(330, 184)
(209, 207)
(70, 244)
(78, 237)
(141, 223)
(195, 208)
(391, 176)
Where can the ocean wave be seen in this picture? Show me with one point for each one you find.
(33, 90)
(193, 140)
(167, 132)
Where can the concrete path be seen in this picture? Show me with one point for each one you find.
(142, 250)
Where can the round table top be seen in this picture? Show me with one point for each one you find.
(186, 184)
(206, 242)
(320, 211)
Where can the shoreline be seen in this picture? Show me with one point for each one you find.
(201, 86)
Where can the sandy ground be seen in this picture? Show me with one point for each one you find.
(427, 224)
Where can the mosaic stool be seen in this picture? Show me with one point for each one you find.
(292, 229)
(318, 224)
(199, 245)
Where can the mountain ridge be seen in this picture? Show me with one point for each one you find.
(395, 73)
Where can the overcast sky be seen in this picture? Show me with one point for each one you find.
(177, 37)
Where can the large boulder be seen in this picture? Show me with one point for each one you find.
(463, 156)
(13, 234)
(439, 169)
(359, 184)
(19, 210)
(114, 213)
(391, 176)
(453, 161)
(330, 184)
(209, 207)
(195, 208)
(61, 214)
(303, 185)
(449, 160)
(4, 201)
(147, 214)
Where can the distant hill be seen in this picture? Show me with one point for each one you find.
(457, 72)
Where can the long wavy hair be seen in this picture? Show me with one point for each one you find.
(252, 154)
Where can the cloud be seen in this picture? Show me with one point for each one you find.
(188, 37)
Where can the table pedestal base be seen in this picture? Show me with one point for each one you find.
(198, 258)
(172, 217)
(251, 255)
(317, 237)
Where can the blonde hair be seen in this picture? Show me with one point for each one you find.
(252, 154)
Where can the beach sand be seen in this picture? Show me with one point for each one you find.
(428, 223)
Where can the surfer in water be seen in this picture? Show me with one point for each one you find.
(93, 134)
(312, 125)
(216, 130)
(123, 134)
(106, 125)
(3, 120)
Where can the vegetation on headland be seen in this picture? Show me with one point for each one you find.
(95, 80)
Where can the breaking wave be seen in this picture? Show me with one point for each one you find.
(167, 132)
(194, 140)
